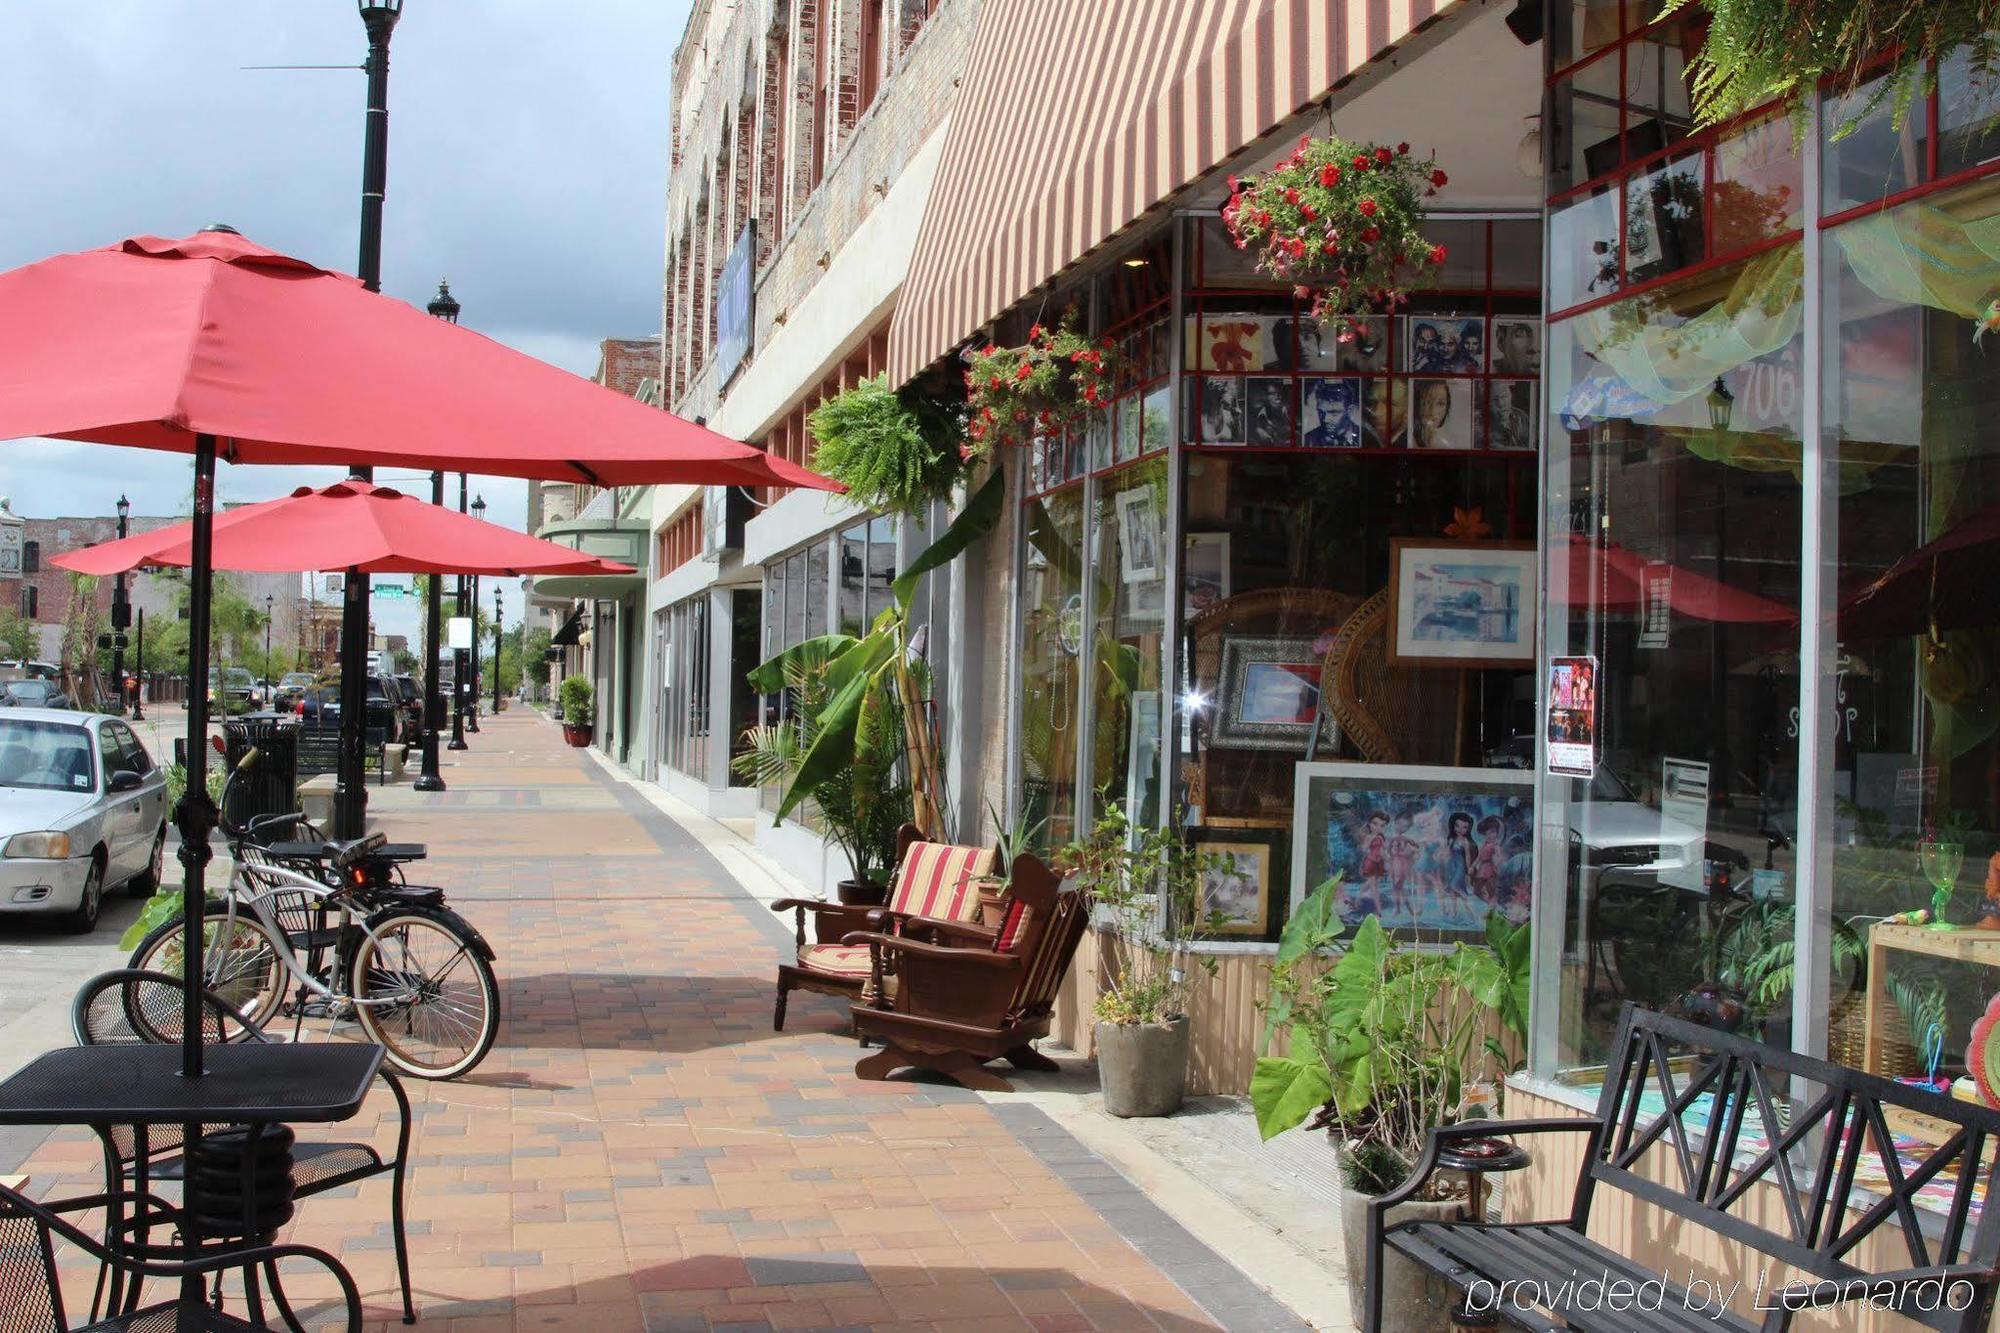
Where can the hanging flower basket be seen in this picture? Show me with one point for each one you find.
(1344, 220)
(1044, 387)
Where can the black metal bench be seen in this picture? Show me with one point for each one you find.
(1719, 1134)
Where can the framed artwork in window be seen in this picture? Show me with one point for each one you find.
(1234, 897)
(1461, 604)
(1269, 693)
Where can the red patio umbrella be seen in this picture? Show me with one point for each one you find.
(349, 525)
(152, 342)
(1943, 584)
(213, 344)
(1609, 578)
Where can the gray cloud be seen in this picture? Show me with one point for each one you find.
(527, 163)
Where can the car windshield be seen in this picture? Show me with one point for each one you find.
(45, 755)
(296, 678)
(28, 691)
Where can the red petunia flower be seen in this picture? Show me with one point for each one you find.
(1370, 235)
(1291, 196)
(1035, 333)
(1368, 208)
(1329, 175)
(1437, 254)
(1402, 150)
(1438, 178)
(1384, 156)
(1360, 162)
(1025, 371)
(1308, 212)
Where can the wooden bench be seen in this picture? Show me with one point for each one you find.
(1681, 1127)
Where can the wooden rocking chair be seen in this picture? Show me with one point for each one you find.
(933, 880)
(952, 1008)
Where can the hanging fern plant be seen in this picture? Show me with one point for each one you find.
(1757, 51)
(894, 452)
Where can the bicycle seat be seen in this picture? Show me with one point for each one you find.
(345, 854)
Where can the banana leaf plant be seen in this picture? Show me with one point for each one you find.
(878, 670)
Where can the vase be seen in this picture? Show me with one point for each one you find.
(1143, 1066)
(578, 736)
(860, 893)
(1414, 1299)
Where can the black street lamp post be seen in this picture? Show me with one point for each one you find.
(139, 694)
(270, 601)
(443, 307)
(458, 667)
(496, 650)
(472, 658)
(350, 791)
(121, 615)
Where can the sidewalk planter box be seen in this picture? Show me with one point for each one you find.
(1143, 1067)
(1413, 1299)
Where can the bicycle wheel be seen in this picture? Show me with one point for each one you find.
(245, 969)
(425, 995)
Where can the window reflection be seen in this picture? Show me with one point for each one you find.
(1052, 640)
(1912, 386)
(1674, 473)
(1129, 566)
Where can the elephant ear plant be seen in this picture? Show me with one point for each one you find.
(1384, 1041)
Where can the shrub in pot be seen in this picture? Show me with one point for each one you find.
(864, 802)
(1148, 881)
(578, 698)
(1384, 1043)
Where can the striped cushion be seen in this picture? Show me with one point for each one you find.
(1012, 927)
(937, 880)
(846, 960)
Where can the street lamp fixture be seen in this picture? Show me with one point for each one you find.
(445, 307)
(1721, 405)
(270, 601)
(121, 613)
(496, 650)
(472, 658)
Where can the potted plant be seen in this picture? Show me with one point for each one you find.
(1043, 387)
(1008, 843)
(1148, 881)
(1384, 1045)
(579, 709)
(863, 803)
(895, 450)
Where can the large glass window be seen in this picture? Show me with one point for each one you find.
(1674, 477)
(684, 686)
(1052, 643)
(1911, 389)
(1129, 570)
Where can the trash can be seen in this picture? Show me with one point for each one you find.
(271, 787)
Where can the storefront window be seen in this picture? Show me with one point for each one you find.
(1672, 587)
(1128, 564)
(1912, 386)
(1052, 642)
(684, 686)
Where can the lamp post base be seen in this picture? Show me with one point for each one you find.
(428, 782)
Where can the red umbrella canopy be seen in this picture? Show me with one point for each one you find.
(1611, 579)
(150, 342)
(349, 525)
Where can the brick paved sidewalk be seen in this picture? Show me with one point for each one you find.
(641, 1151)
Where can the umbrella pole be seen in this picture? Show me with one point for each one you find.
(195, 816)
(350, 791)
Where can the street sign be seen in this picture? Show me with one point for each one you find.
(390, 590)
(458, 632)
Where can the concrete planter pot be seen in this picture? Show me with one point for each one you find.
(577, 736)
(1143, 1067)
(1414, 1300)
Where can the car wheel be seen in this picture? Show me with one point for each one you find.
(84, 919)
(147, 882)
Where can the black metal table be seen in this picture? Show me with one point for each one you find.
(141, 1086)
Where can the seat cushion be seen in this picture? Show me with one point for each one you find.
(936, 880)
(841, 960)
(1013, 926)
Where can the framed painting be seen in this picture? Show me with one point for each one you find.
(1205, 570)
(1234, 896)
(1269, 693)
(1461, 604)
(1138, 535)
(1426, 850)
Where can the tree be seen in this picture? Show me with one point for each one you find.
(17, 635)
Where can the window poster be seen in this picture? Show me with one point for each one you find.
(1572, 712)
(1683, 820)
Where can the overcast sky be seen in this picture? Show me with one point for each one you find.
(527, 163)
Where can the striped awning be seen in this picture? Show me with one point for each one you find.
(1076, 117)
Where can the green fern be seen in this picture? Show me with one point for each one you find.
(1922, 1003)
(1758, 51)
(893, 452)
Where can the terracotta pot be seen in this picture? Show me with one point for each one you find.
(992, 892)
(860, 893)
(577, 736)
(1414, 1300)
(1143, 1066)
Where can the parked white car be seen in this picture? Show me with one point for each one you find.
(82, 807)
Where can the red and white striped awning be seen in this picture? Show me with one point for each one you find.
(1077, 117)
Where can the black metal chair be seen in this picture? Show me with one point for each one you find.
(31, 1293)
(130, 1006)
